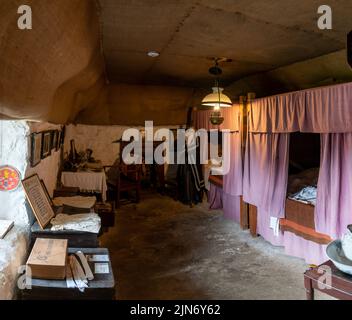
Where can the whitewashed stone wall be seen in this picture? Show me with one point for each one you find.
(15, 151)
(99, 139)
(48, 168)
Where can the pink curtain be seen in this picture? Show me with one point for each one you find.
(266, 172)
(232, 189)
(231, 207)
(275, 114)
(328, 110)
(233, 180)
(215, 197)
(227, 198)
(320, 110)
(334, 198)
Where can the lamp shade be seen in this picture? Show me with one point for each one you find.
(217, 99)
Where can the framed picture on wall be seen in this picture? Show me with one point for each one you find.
(62, 136)
(36, 149)
(54, 139)
(58, 140)
(46, 144)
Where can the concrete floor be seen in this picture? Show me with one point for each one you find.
(161, 249)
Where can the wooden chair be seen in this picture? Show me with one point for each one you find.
(128, 178)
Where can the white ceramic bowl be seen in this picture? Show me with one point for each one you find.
(336, 254)
(347, 245)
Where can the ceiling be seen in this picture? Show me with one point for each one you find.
(85, 61)
(258, 35)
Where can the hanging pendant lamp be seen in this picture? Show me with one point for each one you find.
(217, 99)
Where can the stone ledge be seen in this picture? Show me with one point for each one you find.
(13, 251)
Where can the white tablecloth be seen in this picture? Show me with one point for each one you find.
(86, 181)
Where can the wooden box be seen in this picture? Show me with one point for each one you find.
(48, 259)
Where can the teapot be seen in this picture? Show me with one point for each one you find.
(347, 243)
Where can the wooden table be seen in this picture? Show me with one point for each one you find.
(101, 288)
(315, 279)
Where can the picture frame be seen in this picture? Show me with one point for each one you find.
(54, 139)
(59, 140)
(62, 136)
(38, 200)
(36, 149)
(46, 144)
(47, 192)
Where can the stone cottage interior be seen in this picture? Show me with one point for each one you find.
(77, 221)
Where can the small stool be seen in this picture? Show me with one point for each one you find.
(339, 285)
(106, 212)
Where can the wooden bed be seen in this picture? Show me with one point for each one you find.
(300, 220)
(299, 216)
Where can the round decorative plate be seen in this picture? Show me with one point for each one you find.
(10, 178)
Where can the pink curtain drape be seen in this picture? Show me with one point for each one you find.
(276, 114)
(266, 172)
(233, 180)
(215, 197)
(334, 198)
(227, 198)
(319, 110)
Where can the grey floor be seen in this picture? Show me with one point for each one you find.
(162, 249)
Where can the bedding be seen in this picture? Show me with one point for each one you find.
(307, 195)
(300, 207)
(306, 178)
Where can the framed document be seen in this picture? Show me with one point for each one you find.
(36, 148)
(38, 200)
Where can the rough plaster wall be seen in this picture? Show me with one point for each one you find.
(133, 105)
(48, 168)
(13, 251)
(99, 139)
(15, 150)
(325, 70)
(52, 71)
(13, 248)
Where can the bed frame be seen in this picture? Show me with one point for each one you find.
(299, 220)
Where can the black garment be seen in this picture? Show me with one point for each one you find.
(190, 179)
